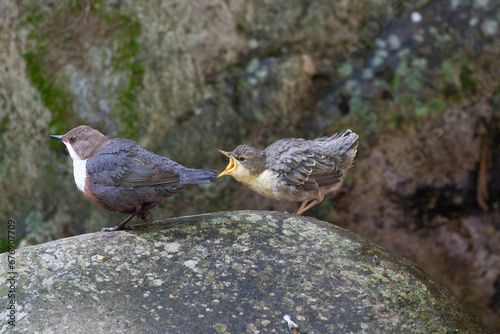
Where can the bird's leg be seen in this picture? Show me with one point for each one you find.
(122, 226)
(303, 207)
(145, 215)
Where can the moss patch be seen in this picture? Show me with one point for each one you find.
(83, 63)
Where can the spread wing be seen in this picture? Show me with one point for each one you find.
(305, 169)
(127, 170)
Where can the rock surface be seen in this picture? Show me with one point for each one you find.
(228, 272)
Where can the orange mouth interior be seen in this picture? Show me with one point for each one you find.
(230, 167)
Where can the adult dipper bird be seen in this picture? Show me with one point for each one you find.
(120, 176)
(295, 169)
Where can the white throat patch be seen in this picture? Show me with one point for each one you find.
(79, 168)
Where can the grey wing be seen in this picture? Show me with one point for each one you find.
(143, 173)
(306, 169)
(128, 172)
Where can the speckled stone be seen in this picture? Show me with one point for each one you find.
(227, 272)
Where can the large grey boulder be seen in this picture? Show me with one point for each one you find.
(226, 272)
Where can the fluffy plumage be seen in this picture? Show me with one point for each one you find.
(295, 169)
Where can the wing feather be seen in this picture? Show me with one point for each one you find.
(126, 170)
(298, 166)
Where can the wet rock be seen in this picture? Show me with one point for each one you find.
(228, 272)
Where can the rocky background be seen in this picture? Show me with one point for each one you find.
(417, 80)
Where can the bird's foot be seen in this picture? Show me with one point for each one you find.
(122, 226)
(118, 228)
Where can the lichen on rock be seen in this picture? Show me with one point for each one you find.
(228, 272)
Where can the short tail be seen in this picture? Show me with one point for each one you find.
(342, 147)
(347, 149)
(347, 142)
(198, 176)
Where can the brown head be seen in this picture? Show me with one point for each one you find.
(245, 163)
(82, 142)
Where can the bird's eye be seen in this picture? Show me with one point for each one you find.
(241, 158)
(72, 139)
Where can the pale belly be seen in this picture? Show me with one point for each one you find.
(262, 184)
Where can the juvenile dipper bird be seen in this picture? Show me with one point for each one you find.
(120, 176)
(295, 169)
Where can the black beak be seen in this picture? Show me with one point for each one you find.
(58, 137)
